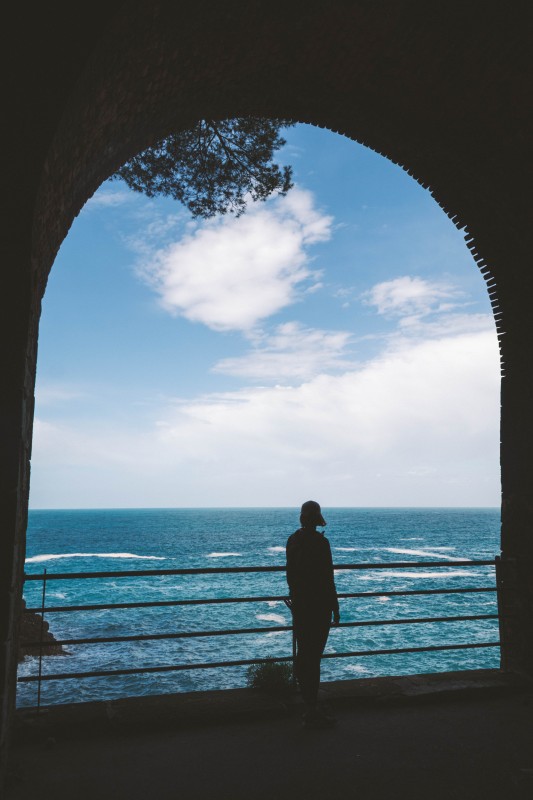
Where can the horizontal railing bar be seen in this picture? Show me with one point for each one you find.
(107, 673)
(427, 649)
(50, 576)
(161, 603)
(246, 662)
(146, 637)
(267, 598)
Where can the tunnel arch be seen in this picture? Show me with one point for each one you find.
(138, 95)
(175, 68)
(134, 126)
(441, 89)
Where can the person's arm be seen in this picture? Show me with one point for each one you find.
(290, 570)
(332, 588)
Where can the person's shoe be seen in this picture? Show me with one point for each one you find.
(317, 720)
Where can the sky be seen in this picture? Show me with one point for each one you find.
(335, 344)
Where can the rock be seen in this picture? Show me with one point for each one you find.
(30, 631)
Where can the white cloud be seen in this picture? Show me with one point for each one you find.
(108, 198)
(437, 391)
(411, 296)
(231, 273)
(88, 445)
(292, 352)
(424, 309)
(47, 394)
(447, 324)
(416, 426)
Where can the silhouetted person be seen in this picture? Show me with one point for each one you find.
(313, 604)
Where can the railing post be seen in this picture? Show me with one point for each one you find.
(502, 616)
(293, 658)
(515, 614)
(41, 644)
(288, 603)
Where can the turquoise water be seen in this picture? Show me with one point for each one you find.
(119, 540)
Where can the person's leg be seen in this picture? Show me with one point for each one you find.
(317, 644)
(305, 648)
(311, 634)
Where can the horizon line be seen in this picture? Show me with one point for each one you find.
(234, 508)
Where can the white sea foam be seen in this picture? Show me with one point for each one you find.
(397, 574)
(356, 668)
(428, 552)
(348, 549)
(437, 547)
(222, 555)
(383, 599)
(55, 556)
(271, 618)
(277, 549)
(412, 538)
(273, 603)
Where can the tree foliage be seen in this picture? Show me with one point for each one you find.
(215, 167)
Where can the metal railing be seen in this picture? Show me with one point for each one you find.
(43, 609)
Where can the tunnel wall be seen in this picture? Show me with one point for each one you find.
(441, 89)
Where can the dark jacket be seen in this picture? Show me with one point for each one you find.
(310, 571)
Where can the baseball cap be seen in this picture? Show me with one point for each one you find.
(311, 511)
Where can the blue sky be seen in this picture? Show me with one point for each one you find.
(337, 343)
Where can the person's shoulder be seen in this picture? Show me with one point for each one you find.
(294, 537)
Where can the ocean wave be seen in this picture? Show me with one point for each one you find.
(277, 549)
(425, 553)
(271, 618)
(222, 555)
(437, 547)
(348, 549)
(397, 574)
(55, 556)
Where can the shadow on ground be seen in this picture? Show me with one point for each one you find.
(460, 744)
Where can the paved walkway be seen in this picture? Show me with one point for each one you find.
(455, 748)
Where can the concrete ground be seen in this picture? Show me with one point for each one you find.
(454, 746)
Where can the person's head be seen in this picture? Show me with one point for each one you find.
(311, 515)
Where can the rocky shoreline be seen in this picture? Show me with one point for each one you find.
(30, 631)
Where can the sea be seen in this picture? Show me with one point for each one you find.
(119, 540)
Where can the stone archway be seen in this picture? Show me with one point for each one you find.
(439, 90)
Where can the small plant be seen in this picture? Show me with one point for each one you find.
(272, 678)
